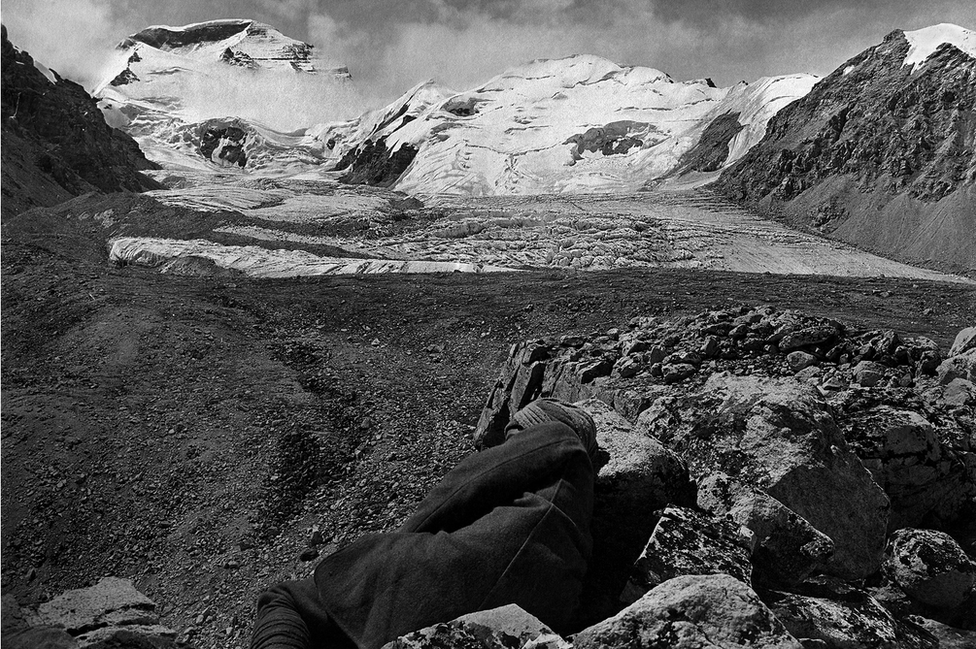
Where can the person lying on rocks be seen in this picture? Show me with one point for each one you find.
(508, 525)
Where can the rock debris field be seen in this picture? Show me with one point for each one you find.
(790, 475)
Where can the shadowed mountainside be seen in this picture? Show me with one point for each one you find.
(879, 154)
(56, 143)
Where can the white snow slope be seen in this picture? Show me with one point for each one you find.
(541, 127)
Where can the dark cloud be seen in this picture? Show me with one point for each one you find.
(709, 12)
(390, 45)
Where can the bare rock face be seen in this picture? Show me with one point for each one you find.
(780, 437)
(787, 547)
(506, 627)
(611, 139)
(686, 542)
(224, 143)
(931, 568)
(691, 612)
(372, 164)
(712, 150)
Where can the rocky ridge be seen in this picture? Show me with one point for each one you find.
(56, 143)
(880, 152)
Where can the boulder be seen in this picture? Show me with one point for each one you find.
(844, 618)
(780, 438)
(15, 618)
(965, 341)
(22, 628)
(926, 480)
(959, 393)
(787, 547)
(110, 602)
(868, 374)
(931, 568)
(112, 613)
(817, 335)
(949, 637)
(676, 372)
(637, 478)
(631, 401)
(630, 461)
(691, 612)
(961, 366)
(809, 375)
(687, 542)
(506, 627)
(800, 360)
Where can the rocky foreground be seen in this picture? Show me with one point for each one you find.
(768, 479)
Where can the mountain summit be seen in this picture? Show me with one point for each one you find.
(242, 43)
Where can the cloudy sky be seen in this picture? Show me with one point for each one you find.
(390, 45)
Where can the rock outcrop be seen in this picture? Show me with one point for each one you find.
(880, 154)
(112, 613)
(372, 164)
(780, 437)
(804, 473)
(56, 143)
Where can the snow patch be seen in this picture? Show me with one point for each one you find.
(46, 71)
(924, 42)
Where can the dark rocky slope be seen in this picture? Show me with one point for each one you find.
(879, 154)
(55, 142)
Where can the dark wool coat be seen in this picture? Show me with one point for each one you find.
(508, 525)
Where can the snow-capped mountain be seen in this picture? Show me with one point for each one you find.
(199, 96)
(881, 152)
(225, 92)
(577, 124)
